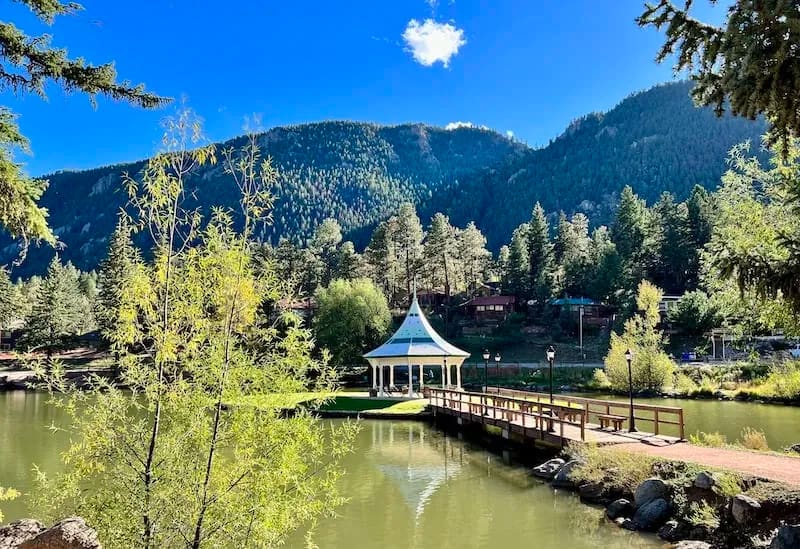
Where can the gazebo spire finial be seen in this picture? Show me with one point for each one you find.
(415, 289)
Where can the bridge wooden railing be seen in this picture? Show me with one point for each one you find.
(657, 416)
(518, 411)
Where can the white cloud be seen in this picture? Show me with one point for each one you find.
(456, 125)
(430, 42)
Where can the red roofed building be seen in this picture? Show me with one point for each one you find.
(490, 307)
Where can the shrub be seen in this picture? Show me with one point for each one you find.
(600, 380)
(712, 440)
(703, 514)
(684, 385)
(728, 484)
(753, 439)
(619, 470)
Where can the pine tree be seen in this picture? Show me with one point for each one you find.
(324, 246)
(700, 218)
(473, 256)
(409, 241)
(9, 301)
(27, 65)
(115, 273)
(540, 257)
(628, 232)
(439, 250)
(515, 281)
(58, 309)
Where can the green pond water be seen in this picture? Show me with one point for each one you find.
(410, 485)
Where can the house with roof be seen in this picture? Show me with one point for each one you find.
(593, 312)
(493, 308)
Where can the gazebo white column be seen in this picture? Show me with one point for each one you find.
(380, 390)
(411, 379)
(374, 376)
(391, 376)
(458, 377)
(421, 377)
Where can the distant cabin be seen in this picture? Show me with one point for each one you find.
(490, 307)
(303, 307)
(594, 312)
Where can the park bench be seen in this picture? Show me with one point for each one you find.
(606, 420)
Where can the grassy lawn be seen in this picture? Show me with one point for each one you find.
(375, 405)
(281, 401)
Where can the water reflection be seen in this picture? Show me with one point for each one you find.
(412, 486)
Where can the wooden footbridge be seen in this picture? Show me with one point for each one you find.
(533, 417)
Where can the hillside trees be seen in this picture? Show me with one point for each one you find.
(115, 272)
(749, 65)
(59, 309)
(27, 65)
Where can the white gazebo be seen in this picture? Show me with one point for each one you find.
(415, 343)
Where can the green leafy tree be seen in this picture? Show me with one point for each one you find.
(651, 367)
(353, 317)
(325, 247)
(749, 64)
(200, 455)
(694, 314)
(27, 65)
(756, 238)
(58, 310)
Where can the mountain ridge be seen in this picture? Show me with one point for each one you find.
(360, 172)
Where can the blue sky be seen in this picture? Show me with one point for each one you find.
(522, 66)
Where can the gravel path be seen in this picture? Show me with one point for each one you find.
(774, 467)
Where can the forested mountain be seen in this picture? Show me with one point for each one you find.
(360, 173)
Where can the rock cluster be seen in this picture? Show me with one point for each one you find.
(70, 533)
(665, 508)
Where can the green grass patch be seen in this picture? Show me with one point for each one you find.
(283, 401)
(375, 405)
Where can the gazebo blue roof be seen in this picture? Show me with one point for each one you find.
(416, 338)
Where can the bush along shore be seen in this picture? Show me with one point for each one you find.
(681, 502)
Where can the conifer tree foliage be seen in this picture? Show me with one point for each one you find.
(115, 271)
(58, 310)
(201, 456)
(749, 64)
(439, 251)
(540, 256)
(10, 299)
(27, 64)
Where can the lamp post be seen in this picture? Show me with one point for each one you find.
(551, 355)
(580, 334)
(628, 358)
(497, 366)
(486, 356)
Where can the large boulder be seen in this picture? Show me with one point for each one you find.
(673, 530)
(704, 481)
(652, 515)
(788, 537)
(71, 533)
(548, 469)
(650, 490)
(593, 492)
(619, 508)
(744, 508)
(562, 478)
(19, 531)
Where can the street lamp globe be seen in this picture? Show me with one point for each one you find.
(628, 354)
(497, 357)
(551, 353)
(486, 354)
